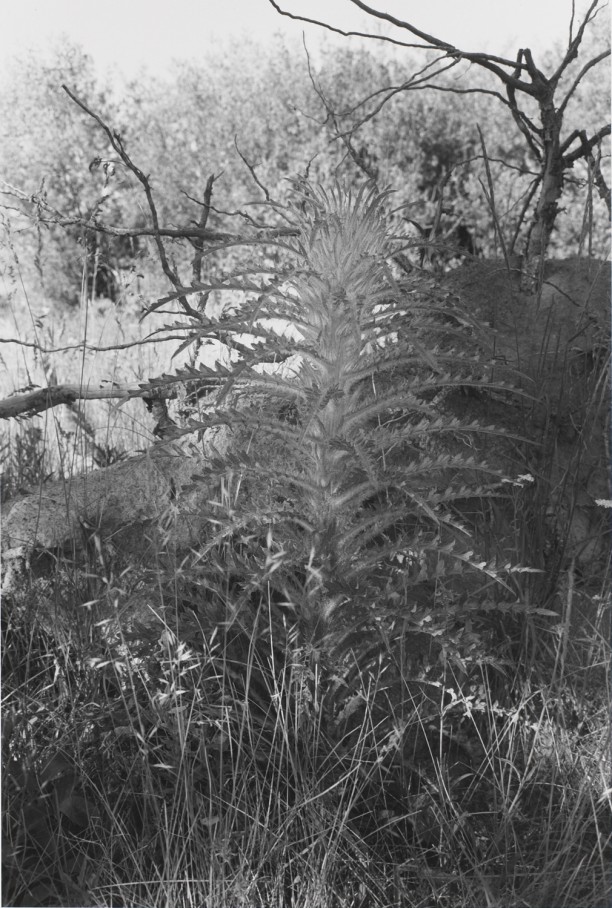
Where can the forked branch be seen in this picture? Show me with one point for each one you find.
(520, 78)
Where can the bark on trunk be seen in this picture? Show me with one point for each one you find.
(547, 207)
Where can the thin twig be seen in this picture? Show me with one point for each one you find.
(572, 50)
(340, 31)
(89, 348)
(251, 168)
(358, 159)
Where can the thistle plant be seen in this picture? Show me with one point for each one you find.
(343, 466)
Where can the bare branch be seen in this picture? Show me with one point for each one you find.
(407, 86)
(56, 218)
(411, 87)
(430, 39)
(117, 145)
(451, 89)
(488, 61)
(239, 213)
(585, 150)
(522, 75)
(581, 75)
(45, 398)
(331, 116)
(91, 348)
(251, 168)
(198, 243)
(395, 89)
(602, 187)
(586, 145)
(572, 50)
(571, 25)
(523, 171)
(526, 126)
(339, 31)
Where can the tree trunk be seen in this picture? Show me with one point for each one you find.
(547, 207)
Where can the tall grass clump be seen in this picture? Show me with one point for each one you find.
(334, 710)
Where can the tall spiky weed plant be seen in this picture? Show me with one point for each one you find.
(320, 721)
(343, 468)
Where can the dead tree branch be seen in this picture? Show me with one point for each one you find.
(251, 168)
(198, 235)
(50, 216)
(33, 402)
(586, 145)
(520, 78)
(118, 147)
(89, 348)
(585, 150)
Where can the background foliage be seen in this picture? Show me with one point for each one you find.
(184, 128)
